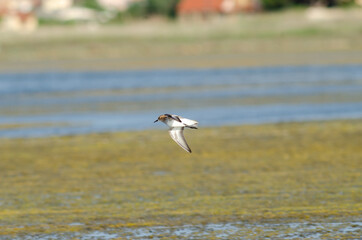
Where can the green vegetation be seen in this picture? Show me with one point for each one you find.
(275, 4)
(160, 7)
(92, 4)
(272, 5)
(141, 9)
(147, 8)
(153, 7)
(275, 173)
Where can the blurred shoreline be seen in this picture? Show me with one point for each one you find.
(289, 37)
(72, 102)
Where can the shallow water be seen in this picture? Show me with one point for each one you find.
(236, 230)
(44, 104)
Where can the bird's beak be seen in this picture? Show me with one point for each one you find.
(155, 121)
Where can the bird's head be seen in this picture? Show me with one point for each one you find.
(161, 118)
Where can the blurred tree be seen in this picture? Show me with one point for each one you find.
(162, 7)
(279, 4)
(332, 3)
(168, 8)
(276, 4)
(93, 4)
(137, 10)
(146, 8)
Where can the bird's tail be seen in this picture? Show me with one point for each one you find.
(190, 123)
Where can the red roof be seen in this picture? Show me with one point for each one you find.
(197, 6)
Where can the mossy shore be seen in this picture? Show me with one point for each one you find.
(253, 174)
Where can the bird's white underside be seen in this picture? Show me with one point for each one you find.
(176, 130)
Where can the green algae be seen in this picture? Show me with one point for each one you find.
(257, 173)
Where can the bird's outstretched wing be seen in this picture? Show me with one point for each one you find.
(178, 136)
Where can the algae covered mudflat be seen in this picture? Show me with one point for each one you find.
(277, 180)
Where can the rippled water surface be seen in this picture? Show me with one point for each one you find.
(237, 230)
(43, 104)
